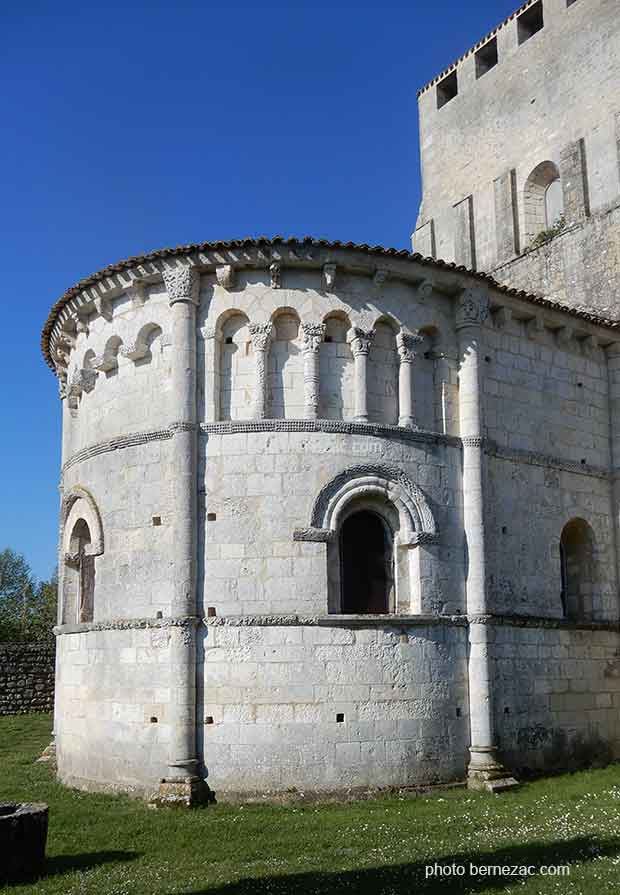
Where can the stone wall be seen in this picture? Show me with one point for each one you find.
(580, 267)
(549, 104)
(26, 678)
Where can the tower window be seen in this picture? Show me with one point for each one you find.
(486, 57)
(447, 89)
(530, 21)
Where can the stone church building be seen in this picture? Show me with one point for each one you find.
(339, 517)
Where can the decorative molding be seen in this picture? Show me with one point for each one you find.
(188, 622)
(317, 535)
(103, 307)
(372, 479)
(91, 515)
(406, 344)
(135, 293)
(340, 427)
(536, 458)
(328, 278)
(208, 332)
(105, 362)
(83, 380)
(225, 276)
(360, 340)
(182, 284)
(472, 308)
(275, 274)
(115, 444)
(334, 621)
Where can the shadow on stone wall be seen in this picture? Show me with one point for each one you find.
(549, 750)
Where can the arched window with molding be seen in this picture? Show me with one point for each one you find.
(577, 570)
(366, 563)
(82, 544)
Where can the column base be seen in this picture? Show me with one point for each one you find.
(182, 792)
(486, 772)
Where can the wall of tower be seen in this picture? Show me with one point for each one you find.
(548, 104)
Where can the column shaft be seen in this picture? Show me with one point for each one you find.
(312, 337)
(260, 333)
(361, 340)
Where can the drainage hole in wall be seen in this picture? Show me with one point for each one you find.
(504, 529)
(209, 719)
(583, 461)
(153, 720)
(487, 358)
(211, 517)
(458, 713)
(340, 718)
(580, 385)
(156, 520)
(506, 710)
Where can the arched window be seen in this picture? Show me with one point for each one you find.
(366, 564)
(577, 569)
(79, 587)
(236, 369)
(286, 368)
(82, 543)
(337, 372)
(543, 199)
(383, 375)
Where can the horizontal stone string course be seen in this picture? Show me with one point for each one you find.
(338, 621)
(345, 428)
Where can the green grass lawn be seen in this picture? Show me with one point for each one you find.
(117, 846)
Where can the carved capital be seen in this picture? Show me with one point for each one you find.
(61, 372)
(313, 334)
(407, 344)
(225, 276)
(565, 336)
(472, 308)
(105, 362)
(260, 334)
(182, 284)
(329, 277)
(275, 273)
(208, 332)
(135, 350)
(82, 380)
(380, 278)
(135, 293)
(360, 340)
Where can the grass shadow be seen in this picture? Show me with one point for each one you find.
(408, 878)
(59, 864)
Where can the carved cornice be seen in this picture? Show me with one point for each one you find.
(425, 291)
(472, 308)
(182, 284)
(381, 277)
(537, 458)
(260, 334)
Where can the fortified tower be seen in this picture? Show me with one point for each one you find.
(520, 152)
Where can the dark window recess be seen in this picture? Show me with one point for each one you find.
(529, 22)
(209, 719)
(340, 718)
(486, 58)
(211, 517)
(447, 89)
(156, 520)
(153, 720)
(229, 340)
(366, 564)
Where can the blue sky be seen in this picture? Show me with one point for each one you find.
(130, 128)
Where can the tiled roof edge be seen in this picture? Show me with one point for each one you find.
(402, 254)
